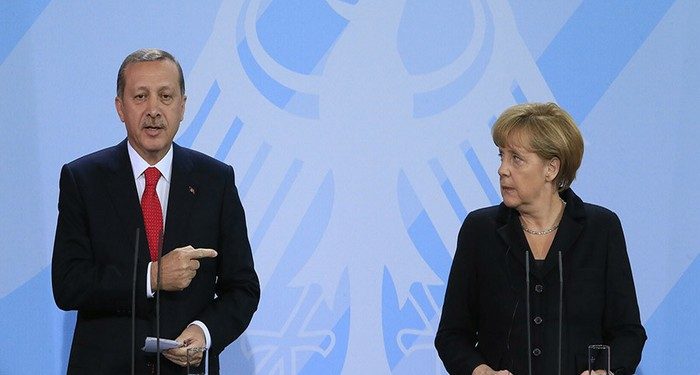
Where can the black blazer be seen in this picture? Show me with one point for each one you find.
(484, 316)
(99, 212)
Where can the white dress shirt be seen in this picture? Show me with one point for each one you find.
(165, 166)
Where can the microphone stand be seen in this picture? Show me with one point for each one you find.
(561, 304)
(133, 303)
(527, 308)
(160, 254)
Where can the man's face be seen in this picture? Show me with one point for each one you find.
(151, 107)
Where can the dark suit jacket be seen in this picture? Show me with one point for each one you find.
(92, 263)
(485, 297)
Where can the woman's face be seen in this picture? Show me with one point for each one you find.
(524, 177)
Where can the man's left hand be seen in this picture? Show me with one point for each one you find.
(191, 337)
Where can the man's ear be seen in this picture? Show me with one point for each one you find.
(182, 111)
(118, 105)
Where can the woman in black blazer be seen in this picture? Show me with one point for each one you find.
(499, 319)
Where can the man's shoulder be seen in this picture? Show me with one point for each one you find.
(97, 159)
(200, 161)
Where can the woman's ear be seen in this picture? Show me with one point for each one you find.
(553, 169)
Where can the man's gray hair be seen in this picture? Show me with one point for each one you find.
(147, 54)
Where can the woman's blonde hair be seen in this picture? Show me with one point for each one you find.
(549, 131)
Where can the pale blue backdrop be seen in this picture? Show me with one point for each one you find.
(359, 131)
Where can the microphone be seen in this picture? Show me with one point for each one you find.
(527, 308)
(133, 302)
(561, 304)
(160, 254)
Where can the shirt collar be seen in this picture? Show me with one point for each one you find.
(138, 165)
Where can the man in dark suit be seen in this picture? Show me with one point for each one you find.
(180, 200)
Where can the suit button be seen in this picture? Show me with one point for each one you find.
(539, 288)
(536, 352)
(538, 320)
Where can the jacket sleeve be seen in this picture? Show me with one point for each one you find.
(622, 329)
(237, 286)
(80, 280)
(456, 337)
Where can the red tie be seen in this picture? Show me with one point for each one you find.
(152, 213)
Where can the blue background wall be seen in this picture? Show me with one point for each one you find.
(359, 131)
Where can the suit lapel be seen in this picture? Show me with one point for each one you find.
(120, 185)
(511, 234)
(182, 195)
(569, 231)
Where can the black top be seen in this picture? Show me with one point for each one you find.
(539, 264)
(484, 316)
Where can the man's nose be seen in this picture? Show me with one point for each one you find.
(153, 109)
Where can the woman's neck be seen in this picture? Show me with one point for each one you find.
(545, 215)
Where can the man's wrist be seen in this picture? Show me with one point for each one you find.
(205, 331)
(149, 281)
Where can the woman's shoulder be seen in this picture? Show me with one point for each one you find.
(490, 212)
(601, 219)
(486, 216)
(590, 211)
(597, 212)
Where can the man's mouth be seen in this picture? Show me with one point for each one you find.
(153, 126)
(153, 130)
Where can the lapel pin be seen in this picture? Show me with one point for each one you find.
(192, 191)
